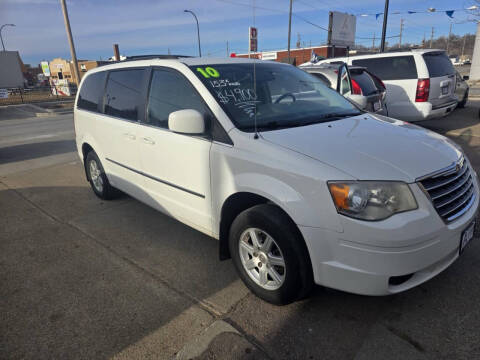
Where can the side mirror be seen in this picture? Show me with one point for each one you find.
(466, 77)
(187, 121)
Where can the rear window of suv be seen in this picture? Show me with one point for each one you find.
(391, 67)
(438, 64)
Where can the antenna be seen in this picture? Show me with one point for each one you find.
(255, 81)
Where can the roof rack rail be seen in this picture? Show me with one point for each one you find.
(161, 56)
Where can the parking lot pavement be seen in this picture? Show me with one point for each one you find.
(85, 278)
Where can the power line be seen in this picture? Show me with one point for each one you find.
(274, 10)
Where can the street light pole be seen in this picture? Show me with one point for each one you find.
(1, 38)
(70, 41)
(198, 31)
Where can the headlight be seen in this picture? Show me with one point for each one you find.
(371, 200)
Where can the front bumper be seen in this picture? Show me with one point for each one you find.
(363, 259)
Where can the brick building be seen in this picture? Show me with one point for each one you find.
(298, 56)
(63, 69)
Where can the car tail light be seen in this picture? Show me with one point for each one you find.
(356, 89)
(423, 89)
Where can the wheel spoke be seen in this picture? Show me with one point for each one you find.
(263, 275)
(276, 260)
(267, 244)
(254, 237)
(246, 246)
(275, 275)
(250, 264)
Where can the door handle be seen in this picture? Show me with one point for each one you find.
(148, 141)
(130, 136)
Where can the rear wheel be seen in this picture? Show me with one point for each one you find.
(270, 255)
(98, 179)
(462, 103)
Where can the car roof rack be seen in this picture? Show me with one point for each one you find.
(162, 56)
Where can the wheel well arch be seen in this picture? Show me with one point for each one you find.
(86, 148)
(231, 208)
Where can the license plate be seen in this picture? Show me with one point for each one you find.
(445, 90)
(467, 235)
(377, 105)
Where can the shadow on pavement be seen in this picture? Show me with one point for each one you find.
(35, 150)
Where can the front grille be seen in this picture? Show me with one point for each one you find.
(452, 191)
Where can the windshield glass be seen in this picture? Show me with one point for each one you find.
(284, 96)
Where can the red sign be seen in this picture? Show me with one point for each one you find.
(252, 39)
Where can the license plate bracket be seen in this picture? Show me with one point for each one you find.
(466, 237)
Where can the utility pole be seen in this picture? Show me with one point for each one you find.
(70, 41)
(463, 46)
(373, 42)
(401, 31)
(431, 37)
(227, 49)
(423, 42)
(289, 28)
(384, 29)
(449, 35)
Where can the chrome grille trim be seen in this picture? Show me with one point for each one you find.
(451, 191)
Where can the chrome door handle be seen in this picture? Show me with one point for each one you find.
(130, 136)
(148, 141)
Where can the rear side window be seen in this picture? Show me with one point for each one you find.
(123, 93)
(169, 92)
(364, 81)
(390, 68)
(438, 64)
(91, 91)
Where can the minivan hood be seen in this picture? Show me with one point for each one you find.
(370, 147)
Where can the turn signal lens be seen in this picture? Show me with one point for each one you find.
(340, 195)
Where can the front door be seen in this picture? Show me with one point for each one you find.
(176, 167)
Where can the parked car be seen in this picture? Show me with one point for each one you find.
(420, 83)
(461, 89)
(298, 185)
(355, 83)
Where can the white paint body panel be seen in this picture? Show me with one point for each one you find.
(290, 168)
(400, 95)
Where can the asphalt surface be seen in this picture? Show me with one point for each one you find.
(84, 278)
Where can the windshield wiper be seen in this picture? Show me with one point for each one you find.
(332, 116)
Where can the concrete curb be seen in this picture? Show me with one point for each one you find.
(55, 113)
(200, 344)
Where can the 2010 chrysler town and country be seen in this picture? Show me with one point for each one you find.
(298, 185)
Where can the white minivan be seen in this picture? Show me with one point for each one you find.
(420, 83)
(296, 183)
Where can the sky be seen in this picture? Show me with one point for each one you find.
(156, 27)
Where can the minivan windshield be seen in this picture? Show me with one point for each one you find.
(282, 96)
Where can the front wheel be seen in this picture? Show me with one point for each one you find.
(270, 255)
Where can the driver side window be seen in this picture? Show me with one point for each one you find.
(169, 92)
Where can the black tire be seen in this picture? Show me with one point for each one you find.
(298, 277)
(462, 103)
(107, 191)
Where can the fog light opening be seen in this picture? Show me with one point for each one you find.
(399, 280)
